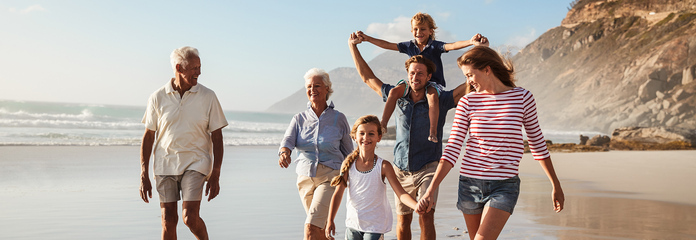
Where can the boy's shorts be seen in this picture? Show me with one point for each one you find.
(475, 194)
(190, 184)
(316, 193)
(415, 184)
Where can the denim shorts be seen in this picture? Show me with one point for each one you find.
(352, 234)
(475, 194)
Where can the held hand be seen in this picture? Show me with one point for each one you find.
(425, 203)
(354, 39)
(145, 188)
(362, 36)
(330, 229)
(558, 200)
(479, 40)
(284, 160)
(212, 188)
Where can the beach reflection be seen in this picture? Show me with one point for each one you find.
(601, 215)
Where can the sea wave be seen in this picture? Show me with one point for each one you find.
(255, 127)
(79, 124)
(85, 114)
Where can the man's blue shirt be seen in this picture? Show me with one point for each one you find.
(433, 51)
(412, 150)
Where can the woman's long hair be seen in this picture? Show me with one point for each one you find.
(481, 57)
(350, 159)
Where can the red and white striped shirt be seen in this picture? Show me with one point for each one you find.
(494, 123)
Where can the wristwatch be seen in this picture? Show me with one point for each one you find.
(281, 153)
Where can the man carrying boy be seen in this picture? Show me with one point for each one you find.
(415, 157)
(184, 121)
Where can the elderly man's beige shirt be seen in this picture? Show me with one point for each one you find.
(183, 126)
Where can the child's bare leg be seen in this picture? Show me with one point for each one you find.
(433, 112)
(394, 94)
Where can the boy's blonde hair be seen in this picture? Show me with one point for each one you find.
(350, 159)
(424, 18)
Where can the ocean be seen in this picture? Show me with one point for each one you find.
(26, 123)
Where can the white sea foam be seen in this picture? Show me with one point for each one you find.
(21, 114)
(57, 124)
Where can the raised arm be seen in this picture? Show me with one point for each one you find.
(378, 42)
(364, 70)
(478, 40)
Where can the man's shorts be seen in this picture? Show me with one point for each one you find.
(475, 194)
(415, 184)
(315, 193)
(190, 184)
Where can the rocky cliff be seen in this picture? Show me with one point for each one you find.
(613, 64)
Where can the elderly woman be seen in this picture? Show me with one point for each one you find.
(322, 138)
(493, 116)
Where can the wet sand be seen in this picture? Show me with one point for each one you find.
(91, 193)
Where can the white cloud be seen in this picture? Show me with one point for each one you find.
(395, 31)
(32, 8)
(521, 41)
(443, 16)
(399, 30)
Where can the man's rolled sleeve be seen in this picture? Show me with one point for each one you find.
(151, 115)
(217, 116)
(385, 91)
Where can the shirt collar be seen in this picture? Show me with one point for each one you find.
(309, 104)
(430, 41)
(169, 88)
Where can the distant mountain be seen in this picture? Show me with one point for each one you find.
(613, 64)
(352, 97)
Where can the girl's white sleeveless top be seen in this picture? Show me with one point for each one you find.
(368, 209)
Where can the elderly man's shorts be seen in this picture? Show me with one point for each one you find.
(475, 194)
(415, 184)
(315, 193)
(190, 184)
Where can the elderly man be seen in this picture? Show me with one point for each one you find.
(415, 158)
(184, 121)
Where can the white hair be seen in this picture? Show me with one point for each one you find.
(324, 77)
(180, 56)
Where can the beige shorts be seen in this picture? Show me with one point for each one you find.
(415, 184)
(189, 184)
(315, 193)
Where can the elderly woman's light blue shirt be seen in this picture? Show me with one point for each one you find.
(324, 139)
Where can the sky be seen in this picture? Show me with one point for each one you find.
(253, 53)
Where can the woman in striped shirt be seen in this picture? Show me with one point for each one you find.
(493, 115)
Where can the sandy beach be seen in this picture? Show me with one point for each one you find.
(91, 193)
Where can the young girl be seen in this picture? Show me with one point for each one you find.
(424, 43)
(369, 214)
